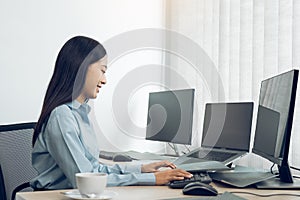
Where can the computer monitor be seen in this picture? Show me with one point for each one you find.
(274, 126)
(170, 116)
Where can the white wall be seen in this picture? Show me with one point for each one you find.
(33, 31)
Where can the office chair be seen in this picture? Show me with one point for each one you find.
(15, 159)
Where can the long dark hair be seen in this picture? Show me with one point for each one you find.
(69, 75)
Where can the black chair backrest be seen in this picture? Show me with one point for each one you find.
(15, 157)
(2, 187)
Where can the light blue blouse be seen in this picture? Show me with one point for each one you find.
(62, 150)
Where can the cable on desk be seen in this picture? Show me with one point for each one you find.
(295, 168)
(296, 177)
(268, 195)
(276, 173)
(271, 169)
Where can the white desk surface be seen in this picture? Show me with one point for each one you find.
(156, 192)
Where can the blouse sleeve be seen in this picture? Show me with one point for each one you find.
(65, 146)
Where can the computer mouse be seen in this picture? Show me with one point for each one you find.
(199, 188)
(121, 158)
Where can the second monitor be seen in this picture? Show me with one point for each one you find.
(170, 116)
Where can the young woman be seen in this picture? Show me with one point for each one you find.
(64, 141)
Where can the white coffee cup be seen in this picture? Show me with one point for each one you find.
(91, 184)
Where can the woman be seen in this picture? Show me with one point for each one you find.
(64, 139)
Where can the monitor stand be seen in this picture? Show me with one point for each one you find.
(275, 183)
(175, 149)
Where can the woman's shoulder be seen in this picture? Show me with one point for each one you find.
(62, 110)
(62, 115)
(61, 121)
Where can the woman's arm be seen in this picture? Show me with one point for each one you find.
(65, 146)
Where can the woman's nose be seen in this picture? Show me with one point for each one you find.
(103, 81)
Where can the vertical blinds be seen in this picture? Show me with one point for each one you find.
(248, 41)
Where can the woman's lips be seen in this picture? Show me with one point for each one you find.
(98, 88)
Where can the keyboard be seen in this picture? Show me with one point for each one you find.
(212, 155)
(197, 176)
(115, 156)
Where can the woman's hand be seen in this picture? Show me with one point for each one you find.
(164, 177)
(153, 167)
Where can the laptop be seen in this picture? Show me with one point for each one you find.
(225, 137)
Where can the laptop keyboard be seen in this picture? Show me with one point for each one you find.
(212, 155)
(197, 177)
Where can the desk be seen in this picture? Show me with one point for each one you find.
(155, 192)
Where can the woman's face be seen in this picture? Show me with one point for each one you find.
(95, 78)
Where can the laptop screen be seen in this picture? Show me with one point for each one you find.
(227, 125)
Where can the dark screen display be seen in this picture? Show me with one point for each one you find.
(227, 125)
(170, 116)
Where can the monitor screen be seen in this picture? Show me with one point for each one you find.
(227, 125)
(274, 121)
(170, 116)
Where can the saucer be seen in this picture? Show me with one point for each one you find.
(74, 194)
